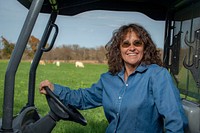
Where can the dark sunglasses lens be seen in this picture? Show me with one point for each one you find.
(125, 45)
(137, 43)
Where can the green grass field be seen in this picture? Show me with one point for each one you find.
(67, 75)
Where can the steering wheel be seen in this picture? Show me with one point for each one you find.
(65, 112)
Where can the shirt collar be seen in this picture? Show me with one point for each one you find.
(141, 68)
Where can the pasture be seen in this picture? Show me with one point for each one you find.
(66, 74)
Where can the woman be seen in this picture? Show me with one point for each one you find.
(137, 93)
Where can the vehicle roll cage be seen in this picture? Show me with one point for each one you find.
(155, 9)
(14, 63)
(16, 58)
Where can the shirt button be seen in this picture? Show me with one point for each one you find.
(120, 97)
(126, 84)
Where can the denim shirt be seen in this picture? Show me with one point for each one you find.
(146, 103)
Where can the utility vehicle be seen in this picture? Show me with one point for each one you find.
(181, 56)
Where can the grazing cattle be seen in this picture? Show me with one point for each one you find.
(79, 64)
(57, 63)
(42, 62)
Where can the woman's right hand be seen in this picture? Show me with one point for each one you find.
(43, 84)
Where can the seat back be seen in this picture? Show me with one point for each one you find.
(192, 111)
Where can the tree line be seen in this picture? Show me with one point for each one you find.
(64, 52)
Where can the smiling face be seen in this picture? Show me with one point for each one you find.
(132, 50)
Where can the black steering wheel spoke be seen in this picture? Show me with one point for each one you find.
(61, 111)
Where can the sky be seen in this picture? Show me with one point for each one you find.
(89, 29)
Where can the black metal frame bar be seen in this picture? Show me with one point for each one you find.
(41, 48)
(14, 63)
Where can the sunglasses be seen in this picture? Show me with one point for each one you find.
(127, 44)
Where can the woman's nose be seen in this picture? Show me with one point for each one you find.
(132, 46)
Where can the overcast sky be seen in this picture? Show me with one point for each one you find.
(88, 29)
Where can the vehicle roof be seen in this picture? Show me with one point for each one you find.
(155, 9)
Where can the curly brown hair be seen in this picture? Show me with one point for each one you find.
(115, 61)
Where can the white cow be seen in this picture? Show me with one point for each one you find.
(58, 63)
(79, 64)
